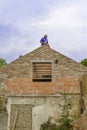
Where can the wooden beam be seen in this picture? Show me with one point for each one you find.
(15, 119)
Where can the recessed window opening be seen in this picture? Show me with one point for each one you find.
(42, 71)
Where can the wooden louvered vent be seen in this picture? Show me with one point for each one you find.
(42, 71)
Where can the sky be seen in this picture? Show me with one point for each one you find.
(24, 22)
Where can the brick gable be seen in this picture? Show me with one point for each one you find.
(16, 77)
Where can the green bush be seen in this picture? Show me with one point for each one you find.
(84, 62)
(2, 62)
(65, 121)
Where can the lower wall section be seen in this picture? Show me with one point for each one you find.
(3, 113)
(3, 121)
(28, 113)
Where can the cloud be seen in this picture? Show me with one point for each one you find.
(67, 26)
(14, 42)
(64, 17)
(23, 23)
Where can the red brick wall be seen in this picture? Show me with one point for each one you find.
(25, 86)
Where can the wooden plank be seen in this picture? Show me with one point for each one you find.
(41, 78)
(14, 122)
(38, 71)
(40, 75)
(40, 65)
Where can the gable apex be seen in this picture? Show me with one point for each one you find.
(43, 53)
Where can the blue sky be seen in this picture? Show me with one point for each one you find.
(24, 22)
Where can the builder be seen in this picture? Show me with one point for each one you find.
(44, 40)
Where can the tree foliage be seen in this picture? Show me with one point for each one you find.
(2, 62)
(84, 62)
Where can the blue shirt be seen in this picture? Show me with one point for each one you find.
(43, 40)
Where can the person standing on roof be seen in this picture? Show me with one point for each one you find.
(44, 40)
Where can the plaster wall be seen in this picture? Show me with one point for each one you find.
(44, 107)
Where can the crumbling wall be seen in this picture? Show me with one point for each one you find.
(3, 121)
(81, 122)
(84, 89)
(34, 111)
(84, 85)
(3, 114)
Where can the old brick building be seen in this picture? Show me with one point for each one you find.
(32, 86)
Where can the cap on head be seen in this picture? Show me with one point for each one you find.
(45, 36)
